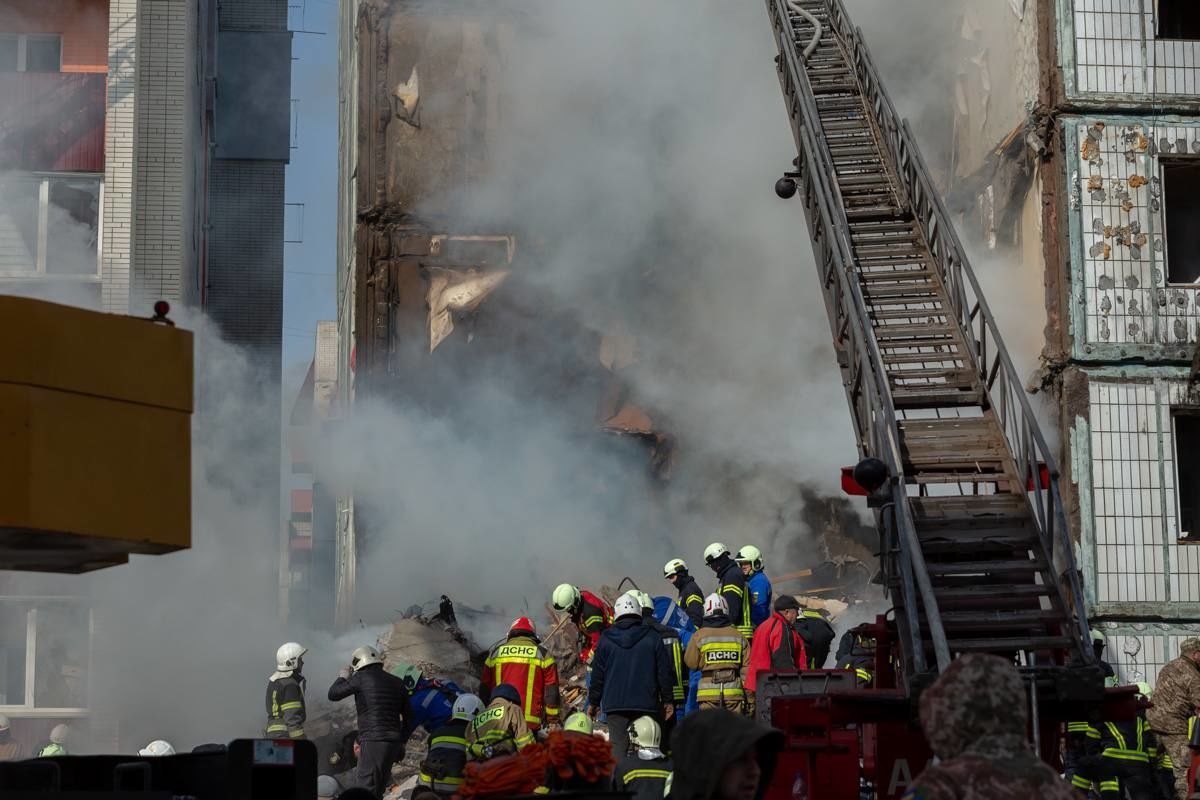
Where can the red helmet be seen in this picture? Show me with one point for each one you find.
(522, 625)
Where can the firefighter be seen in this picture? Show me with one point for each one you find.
(776, 646)
(590, 614)
(57, 746)
(1098, 642)
(1176, 697)
(814, 628)
(679, 672)
(522, 662)
(856, 651)
(644, 771)
(732, 587)
(285, 694)
(720, 652)
(1123, 762)
(432, 699)
(691, 598)
(384, 716)
(499, 729)
(441, 773)
(10, 748)
(758, 586)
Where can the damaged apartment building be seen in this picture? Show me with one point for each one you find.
(1076, 158)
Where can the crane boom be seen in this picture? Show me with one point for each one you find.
(972, 517)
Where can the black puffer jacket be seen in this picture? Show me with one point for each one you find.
(384, 709)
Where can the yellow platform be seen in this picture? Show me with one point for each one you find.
(95, 437)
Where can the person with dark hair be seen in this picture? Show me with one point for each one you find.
(720, 755)
(776, 646)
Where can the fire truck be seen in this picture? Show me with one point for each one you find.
(973, 540)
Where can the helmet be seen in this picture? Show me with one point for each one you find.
(1098, 637)
(751, 554)
(566, 597)
(673, 567)
(522, 625)
(715, 604)
(715, 551)
(644, 732)
(364, 657)
(287, 657)
(409, 674)
(1144, 689)
(627, 606)
(508, 692)
(5, 723)
(644, 599)
(328, 786)
(59, 734)
(578, 723)
(158, 748)
(466, 707)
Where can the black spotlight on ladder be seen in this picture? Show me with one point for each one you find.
(785, 187)
(870, 474)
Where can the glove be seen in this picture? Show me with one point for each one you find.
(344, 672)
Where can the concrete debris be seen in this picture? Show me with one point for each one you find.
(432, 648)
(405, 98)
(453, 292)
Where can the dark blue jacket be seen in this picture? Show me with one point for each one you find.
(631, 670)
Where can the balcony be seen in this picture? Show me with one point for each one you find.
(52, 121)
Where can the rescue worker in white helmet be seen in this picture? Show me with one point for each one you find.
(591, 616)
(285, 694)
(10, 746)
(750, 560)
(57, 746)
(732, 587)
(384, 716)
(691, 598)
(157, 748)
(674, 646)
(442, 770)
(721, 654)
(646, 769)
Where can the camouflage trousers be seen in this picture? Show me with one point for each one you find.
(1176, 745)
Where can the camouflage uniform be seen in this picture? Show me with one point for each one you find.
(1176, 698)
(975, 718)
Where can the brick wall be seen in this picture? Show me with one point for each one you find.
(83, 25)
(118, 221)
(253, 15)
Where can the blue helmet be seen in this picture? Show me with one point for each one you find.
(508, 692)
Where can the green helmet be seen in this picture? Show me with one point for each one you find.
(752, 555)
(1144, 689)
(644, 598)
(566, 597)
(410, 674)
(1098, 637)
(578, 723)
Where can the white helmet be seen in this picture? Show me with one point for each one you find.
(5, 723)
(645, 732)
(158, 747)
(466, 707)
(59, 734)
(715, 551)
(715, 604)
(566, 597)
(627, 606)
(674, 566)
(364, 657)
(287, 657)
(750, 555)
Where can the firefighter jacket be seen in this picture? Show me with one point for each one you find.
(720, 653)
(631, 671)
(444, 764)
(384, 709)
(818, 636)
(645, 777)
(679, 673)
(523, 663)
(499, 730)
(285, 707)
(733, 589)
(691, 598)
(776, 648)
(857, 652)
(592, 618)
(1176, 697)
(1125, 740)
(758, 586)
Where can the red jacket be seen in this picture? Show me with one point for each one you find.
(593, 619)
(522, 662)
(776, 647)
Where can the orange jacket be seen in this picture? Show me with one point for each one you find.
(522, 662)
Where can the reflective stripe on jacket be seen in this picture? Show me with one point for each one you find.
(444, 765)
(1124, 741)
(285, 708)
(733, 589)
(593, 618)
(498, 730)
(720, 653)
(526, 665)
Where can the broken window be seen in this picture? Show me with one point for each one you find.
(1179, 19)
(1187, 467)
(1181, 204)
(44, 653)
(30, 52)
(50, 224)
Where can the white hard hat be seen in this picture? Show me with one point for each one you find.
(466, 707)
(565, 597)
(645, 732)
(287, 657)
(364, 657)
(751, 555)
(5, 723)
(715, 551)
(675, 565)
(158, 747)
(59, 734)
(627, 606)
(1098, 636)
(715, 604)
(328, 786)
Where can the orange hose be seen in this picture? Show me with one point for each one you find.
(569, 755)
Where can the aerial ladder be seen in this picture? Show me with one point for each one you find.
(973, 534)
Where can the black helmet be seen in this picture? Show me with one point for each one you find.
(508, 692)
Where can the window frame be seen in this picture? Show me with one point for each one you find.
(1180, 534)
(23, 44)
(1164, 164)
(1158, 26)
(28, 710)
(43, 224)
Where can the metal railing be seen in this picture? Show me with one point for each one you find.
(864, 376)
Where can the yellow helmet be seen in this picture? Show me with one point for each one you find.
(1144, 689)
(673, 567)
(715, 551)
(644, 598)
(566, 597)
(752, 555)
(579, 723)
